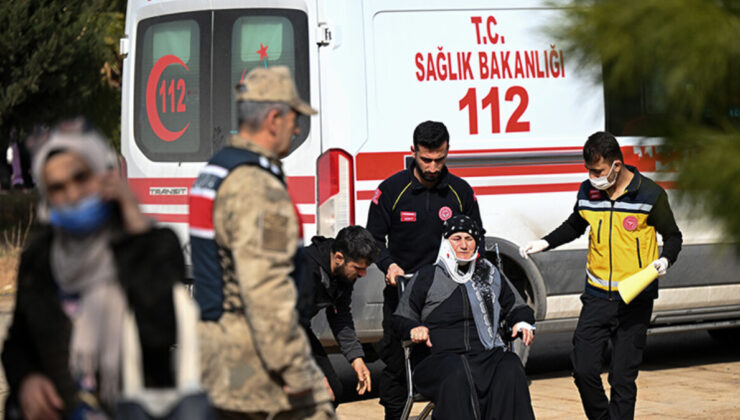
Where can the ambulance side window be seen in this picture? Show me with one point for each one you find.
(258, 38)
(634, 113)
(260, 41)
(171, 112)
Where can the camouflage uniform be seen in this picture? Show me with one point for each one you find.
(257, 347)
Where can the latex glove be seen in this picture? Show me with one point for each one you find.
(527, 332)
(533, 247)
(661, 264)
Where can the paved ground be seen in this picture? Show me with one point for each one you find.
(685, 376)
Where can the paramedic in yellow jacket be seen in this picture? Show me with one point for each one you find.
(624, 210)
(256, 360)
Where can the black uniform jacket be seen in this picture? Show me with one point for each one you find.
(38, 339)
(320, 290)
(411, 216)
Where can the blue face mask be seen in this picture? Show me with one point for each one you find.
(81, 218)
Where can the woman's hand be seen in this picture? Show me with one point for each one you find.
(527, 332)
(421, 335)
(115, 189)
(39, 399)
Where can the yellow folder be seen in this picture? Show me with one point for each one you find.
(630, 287)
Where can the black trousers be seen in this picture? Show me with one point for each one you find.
(393, 379)
(322, 359)
(600, 322)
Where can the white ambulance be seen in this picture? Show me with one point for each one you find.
(517, 107)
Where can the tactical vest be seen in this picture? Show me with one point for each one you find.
(207, 271)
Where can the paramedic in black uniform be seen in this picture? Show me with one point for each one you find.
(408, 210)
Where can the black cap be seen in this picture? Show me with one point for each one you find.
(463, 223)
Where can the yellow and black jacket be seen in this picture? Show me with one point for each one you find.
(622, 238)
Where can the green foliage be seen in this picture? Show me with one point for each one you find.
(53, 60)
(687, 52)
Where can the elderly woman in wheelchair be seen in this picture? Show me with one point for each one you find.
(454, 308)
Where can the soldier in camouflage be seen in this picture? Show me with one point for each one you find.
(256, 359)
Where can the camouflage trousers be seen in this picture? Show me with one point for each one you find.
(324, 411)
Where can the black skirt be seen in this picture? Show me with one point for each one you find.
(483, 385)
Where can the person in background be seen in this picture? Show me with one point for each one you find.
(95, 257)
(331, 268)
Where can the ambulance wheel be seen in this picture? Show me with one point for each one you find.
(520, 280)
(520, 350)
(726, 335)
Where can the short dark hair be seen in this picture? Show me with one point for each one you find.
(431, 134)
(602, 144)
(356, 243)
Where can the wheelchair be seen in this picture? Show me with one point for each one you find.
(412, 396)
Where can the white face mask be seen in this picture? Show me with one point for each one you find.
(602, 182)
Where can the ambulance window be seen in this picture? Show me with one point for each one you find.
(171, 112)
(264, 38)
(634, 113)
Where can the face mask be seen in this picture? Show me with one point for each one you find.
(82, 218)
(603, 183)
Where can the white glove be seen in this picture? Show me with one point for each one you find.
(533, 247)
(661, 264)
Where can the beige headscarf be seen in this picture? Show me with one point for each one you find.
(86, 266)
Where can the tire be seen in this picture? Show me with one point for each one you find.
(726, 335)
(522, 351)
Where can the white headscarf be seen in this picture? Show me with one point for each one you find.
(89, 145)
(453, 264)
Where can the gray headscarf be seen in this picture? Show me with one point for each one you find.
(88, 145)
(85, 266)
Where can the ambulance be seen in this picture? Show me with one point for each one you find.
(517, 106)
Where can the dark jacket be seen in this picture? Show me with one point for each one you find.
(320, 290)
(411, 217)
(432, 299)
(38, 339)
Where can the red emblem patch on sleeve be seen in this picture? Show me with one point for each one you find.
(594, 194)
(445, 213)
(376, 196)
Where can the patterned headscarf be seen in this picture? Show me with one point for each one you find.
(463, 223)
(446, 255)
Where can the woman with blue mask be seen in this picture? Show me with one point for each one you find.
(454, 309)
(96, 257)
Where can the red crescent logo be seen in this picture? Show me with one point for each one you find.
(630, 223)
(445, 213)
(151, 98)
